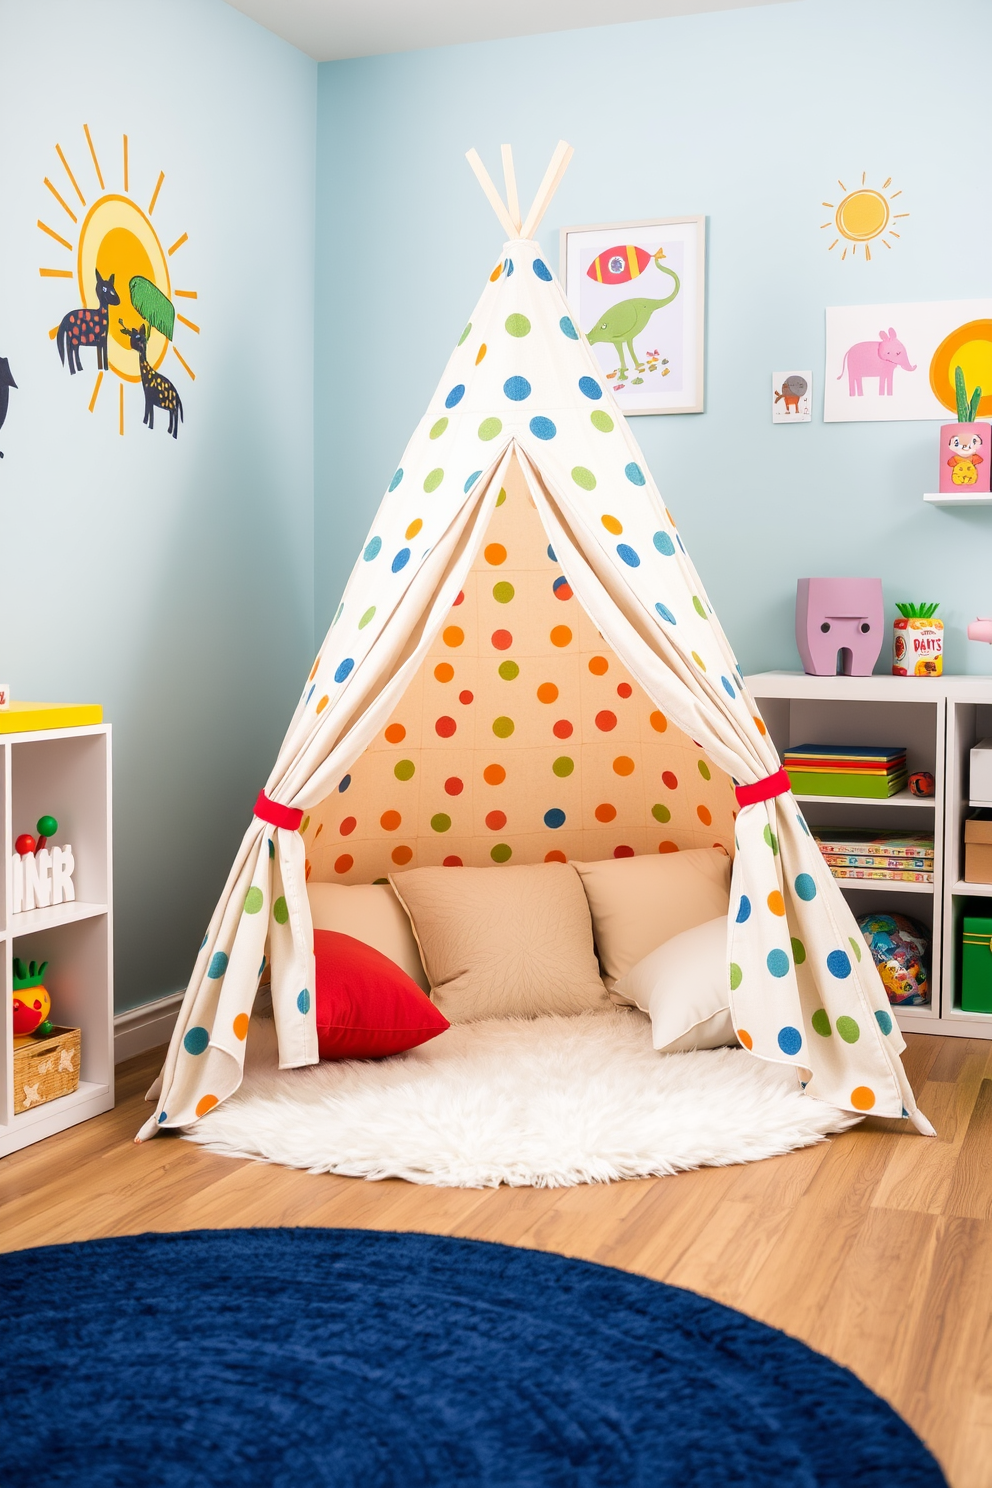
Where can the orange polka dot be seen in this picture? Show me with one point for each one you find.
(390, 820)
(759, 725)
(623, 765)
(453, 635)
(605, 812)
(401, 855)
(555, 856)
(495, 273)
(862, 1099)
(612, 524)
(444, 671)
(323, 703)
(314, 672)
(205, 1103)
(494, 774)
(241, 1026)
(481, 353)
(745, 1038)
(705, 815)
(414, 528)
(547, 692)
(395, 733)
(344, 863)
(776, 903)
(599, 666)
(494, 553)
(307, 869)
(659, 722)
(561, 636)
(668, 847)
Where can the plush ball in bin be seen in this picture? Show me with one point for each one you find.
(899, 948)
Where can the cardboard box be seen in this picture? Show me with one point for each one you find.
(980, 777)
(978, 851)
(976, 964)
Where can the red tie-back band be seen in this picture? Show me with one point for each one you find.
(763, 790)
(276, 815)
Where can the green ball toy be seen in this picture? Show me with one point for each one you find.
(47, 827)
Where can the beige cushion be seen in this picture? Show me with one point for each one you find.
(503, 942)
(372, 913)
(684, 986)
(636, 903)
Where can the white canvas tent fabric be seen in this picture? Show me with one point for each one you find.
(523, 384)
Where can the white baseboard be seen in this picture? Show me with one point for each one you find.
(145, 1027)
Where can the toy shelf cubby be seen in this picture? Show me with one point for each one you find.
(64, 772)
(938, 719)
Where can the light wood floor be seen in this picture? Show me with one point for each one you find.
(875, 1248)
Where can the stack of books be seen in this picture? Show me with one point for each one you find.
(906, 857)
(845, 770)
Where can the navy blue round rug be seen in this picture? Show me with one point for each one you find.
(289, 1358)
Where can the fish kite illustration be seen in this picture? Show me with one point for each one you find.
(6, 383)
(620, 265)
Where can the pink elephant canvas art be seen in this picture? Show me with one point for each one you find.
(875, 359)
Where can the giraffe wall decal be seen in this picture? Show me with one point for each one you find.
(159, 391)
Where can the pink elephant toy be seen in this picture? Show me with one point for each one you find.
(875, 359)
(980, 630)
(839, 624)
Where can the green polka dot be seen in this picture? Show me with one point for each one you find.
(697, 605)
(439, 428)
(253, 900)
(703, 769)
(489, 428)
(821, 1023)
(736, 976)
(280, 911)
(798, 951)
(502, 727)
(508, 670)
(501, 853)
(503, 592)
(434, 479)
(661, 813)
(855, 947)
(366, 617)
(303, 824)
(465, 333)
(770, 838)
(848, 1030)
(584, 478)
(517, 325)
(501, 498)
(563, 766)
(441, 822)
(601, 420)
(404, 769)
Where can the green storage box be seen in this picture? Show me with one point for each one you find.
(976, 964)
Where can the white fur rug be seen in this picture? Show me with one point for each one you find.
(548, 1102)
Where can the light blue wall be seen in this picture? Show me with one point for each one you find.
(749, 116)
(172, 582)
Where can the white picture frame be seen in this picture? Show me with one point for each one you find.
(660, 366)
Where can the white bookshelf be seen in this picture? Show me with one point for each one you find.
(64, 772)
(937, 719)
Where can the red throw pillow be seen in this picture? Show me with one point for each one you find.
(367, 1006)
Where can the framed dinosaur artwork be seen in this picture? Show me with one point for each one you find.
(638, 290)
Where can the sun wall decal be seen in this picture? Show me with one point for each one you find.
(123, 277)
(862, 215)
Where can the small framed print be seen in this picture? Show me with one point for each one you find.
(638, 291)
(792, 394)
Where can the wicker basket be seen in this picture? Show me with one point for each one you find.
(45, 1068)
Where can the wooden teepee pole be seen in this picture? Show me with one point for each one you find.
(510, 182)
(548, 187)
(511, 228)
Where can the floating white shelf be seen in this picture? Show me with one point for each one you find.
(948, 498)
(30, 920)
(901, 798)
(981, 891)
(885, 884)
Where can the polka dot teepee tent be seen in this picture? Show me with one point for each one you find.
(525, 667)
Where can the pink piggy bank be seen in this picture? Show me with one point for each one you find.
(839, 625)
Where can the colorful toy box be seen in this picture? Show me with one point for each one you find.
(976, 964)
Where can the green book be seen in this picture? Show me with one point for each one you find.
(810, 783)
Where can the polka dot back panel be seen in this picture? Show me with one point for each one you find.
(521, 740)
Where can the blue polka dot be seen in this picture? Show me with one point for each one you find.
(262, 967)
(401, 560)
(542, 428)
(778, 963)
(802, 824)
(728, 687)
(344, 783)
(790, 1040)
(508, 266)
(839, 964)
(372, 549)
(805, 886)
(666, 614)
(628, 555)
(743, 910)
(664, 544)
(196, 1041)
(634, 473)
(554, 818)
(517, 389)
(310, 694)
(345, 669)
(272, 851)
(590, 387)
(551, 554)
(884, 1020)
(560, 583)
(568, 328)
(164, 1117)
(455, 396)
(472, 480)
(218, 965)
(204, 940)
(396, 479)
(303, 1001)
(541, 270)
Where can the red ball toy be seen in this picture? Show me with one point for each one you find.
(24, 844)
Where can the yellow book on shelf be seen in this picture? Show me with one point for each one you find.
(23, 718)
